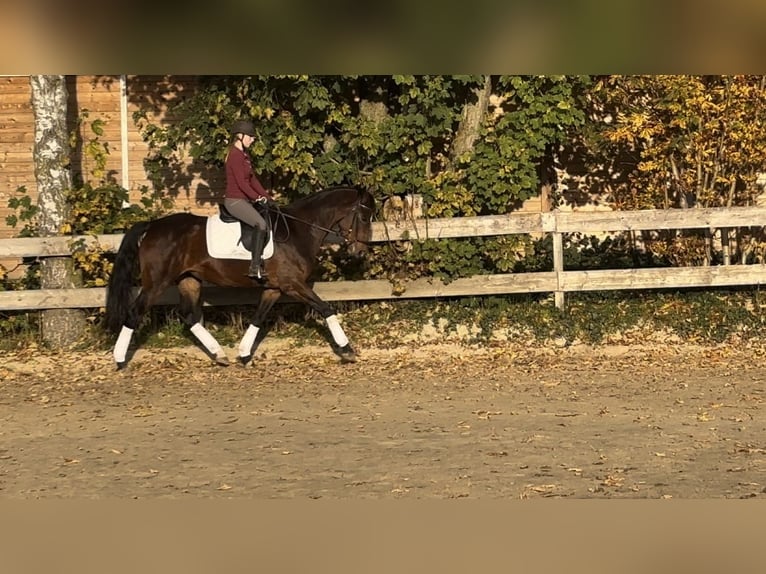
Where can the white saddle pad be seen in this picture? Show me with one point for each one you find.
(223, 240)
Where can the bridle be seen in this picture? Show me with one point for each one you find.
(357, 211)
(345, 235)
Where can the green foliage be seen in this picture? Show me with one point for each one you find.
(534, 113)
(99, 205)
(446, 260)
(18, 329)
(391, 134)
(503, 254)
(583, 251)
(19, 325)
(94, 151)
(704, 317)
(104, 208)
(26, 212)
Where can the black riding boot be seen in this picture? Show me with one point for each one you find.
(256, 246)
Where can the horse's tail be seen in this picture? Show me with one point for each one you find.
(118, 294)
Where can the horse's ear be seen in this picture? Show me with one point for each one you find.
(369, 197)
(365, 194)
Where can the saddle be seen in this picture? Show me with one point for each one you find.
(246, 230)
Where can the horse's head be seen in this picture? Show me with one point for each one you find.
(355, 227)
(343, 211)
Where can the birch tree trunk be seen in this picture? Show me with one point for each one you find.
(61, 328)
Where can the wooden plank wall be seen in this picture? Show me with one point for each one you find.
(195, 189)
(194, 186)
(16, 140)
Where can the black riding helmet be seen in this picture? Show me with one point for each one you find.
(243, 127)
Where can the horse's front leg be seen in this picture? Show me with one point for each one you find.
(246, 350)
(344, 349)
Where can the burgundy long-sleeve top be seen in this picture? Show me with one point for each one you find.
(241, 182)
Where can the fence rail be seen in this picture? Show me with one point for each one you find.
(558, 281)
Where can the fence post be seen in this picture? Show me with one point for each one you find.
(550, 224)
(725, 246)
(558, 267)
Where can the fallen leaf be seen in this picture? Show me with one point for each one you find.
(613, 480)
(542, 488)
(486, 414)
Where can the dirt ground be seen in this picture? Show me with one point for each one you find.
(418, 421)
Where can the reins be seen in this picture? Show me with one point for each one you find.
(281, 214)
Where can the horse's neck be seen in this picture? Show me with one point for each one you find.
(316, 210)
(324, 208)
(304, 223)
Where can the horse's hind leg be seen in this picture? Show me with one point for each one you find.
(138, 308)
(190, 290)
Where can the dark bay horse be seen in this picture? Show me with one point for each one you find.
(173, 250)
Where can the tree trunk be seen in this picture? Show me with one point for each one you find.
(61, 328)
(471, 121)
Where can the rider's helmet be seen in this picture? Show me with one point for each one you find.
(243, 127)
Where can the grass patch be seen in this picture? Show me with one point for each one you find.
(710, 316)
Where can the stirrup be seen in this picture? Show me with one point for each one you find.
(259, 274)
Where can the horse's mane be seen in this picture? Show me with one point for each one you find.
(320, 196)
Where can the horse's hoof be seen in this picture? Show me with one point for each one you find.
(222, 360)
(347, 354)
(122, 365)
(245, 360)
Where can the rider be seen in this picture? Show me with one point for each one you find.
(243, 188)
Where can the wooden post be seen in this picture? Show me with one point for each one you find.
(558, 267)
(725, 246)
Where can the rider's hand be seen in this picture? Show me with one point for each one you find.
(261, 199)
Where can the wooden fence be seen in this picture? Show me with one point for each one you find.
(558, 281)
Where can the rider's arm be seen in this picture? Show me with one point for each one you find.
(257, 187)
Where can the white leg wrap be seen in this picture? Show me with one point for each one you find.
(246, 344)
(206, 338)
(121, 346)
(337, 331)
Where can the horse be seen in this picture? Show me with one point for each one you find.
(174, 249)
